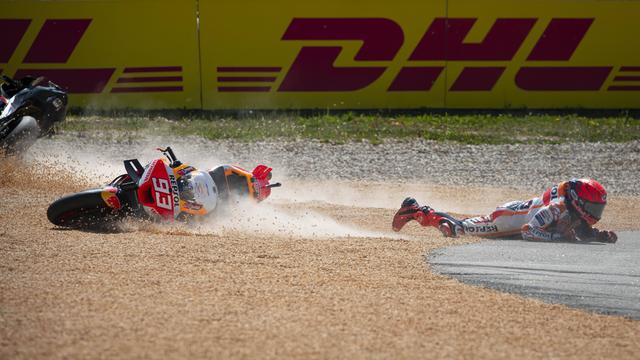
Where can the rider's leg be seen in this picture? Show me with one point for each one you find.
(426, 216)
(506, 220)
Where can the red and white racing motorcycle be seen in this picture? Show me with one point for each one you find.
(164, 190)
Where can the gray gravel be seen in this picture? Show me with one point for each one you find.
(608, 288)
(522, 166)
(531, 167)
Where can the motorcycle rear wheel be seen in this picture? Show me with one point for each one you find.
(86, 210)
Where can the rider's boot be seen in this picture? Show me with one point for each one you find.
(411, 210)
(425, 216)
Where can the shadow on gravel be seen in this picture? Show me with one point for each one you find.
(96, 230)
(196, 113)
(551, 242)
(515, 269)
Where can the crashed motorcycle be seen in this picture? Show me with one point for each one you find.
(165, 190)
(30, 107)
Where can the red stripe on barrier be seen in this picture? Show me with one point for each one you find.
(381, 37)
(415, 79)
(444, 40)
(630, 68)
(624, 88)
(77, 81)
(12, 32)
(562, 78)
(153, 69)
(244, 89)
(626, 78)
(477, 79)
(56, 41)
(245, 79)
(314, 70)
(248, 69)
(147, 89)
(149, 79)
(560, 39)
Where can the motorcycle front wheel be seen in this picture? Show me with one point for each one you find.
(23, 135)
(85, 210)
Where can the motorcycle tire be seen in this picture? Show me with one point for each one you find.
(86, 210)
(21, 137)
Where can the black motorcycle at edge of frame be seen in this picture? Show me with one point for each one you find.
(30, 107)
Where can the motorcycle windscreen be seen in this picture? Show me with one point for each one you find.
(158, 191)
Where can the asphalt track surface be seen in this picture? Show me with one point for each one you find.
(604, 278)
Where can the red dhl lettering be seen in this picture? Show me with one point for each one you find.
(55, 43)
(313, 67)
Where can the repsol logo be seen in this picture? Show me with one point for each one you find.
(480, 229)
(175, 192)
(313, 68)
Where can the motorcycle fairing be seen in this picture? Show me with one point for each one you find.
(110, 197)
(261, 176)
(239, 180)
(8, 107)
(158, 191)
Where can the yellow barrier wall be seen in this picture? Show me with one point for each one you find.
(586, 55)
(244, 41)
(111, 54)
(334, 54)
(486, 54)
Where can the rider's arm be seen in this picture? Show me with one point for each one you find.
(538, 228)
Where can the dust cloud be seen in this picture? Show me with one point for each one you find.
(90, 165)
(271, 219)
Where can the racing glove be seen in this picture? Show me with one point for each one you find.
(605, 236)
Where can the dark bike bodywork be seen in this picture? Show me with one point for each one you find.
(30, 108)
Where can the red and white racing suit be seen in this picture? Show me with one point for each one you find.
(545, 218)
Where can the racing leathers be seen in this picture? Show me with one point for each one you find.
(546, 218)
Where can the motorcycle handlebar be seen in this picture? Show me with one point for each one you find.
(168, 152)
